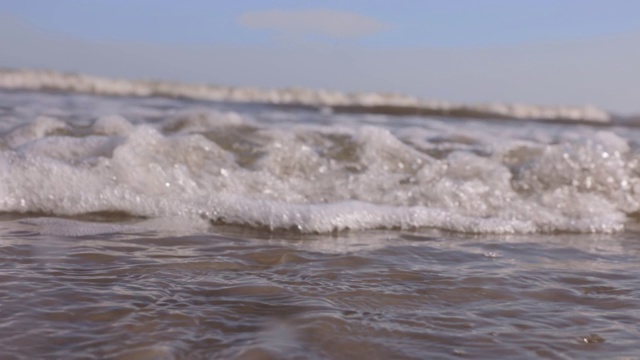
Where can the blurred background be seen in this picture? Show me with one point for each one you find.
(548, 52)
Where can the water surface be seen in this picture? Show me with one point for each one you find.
(148, 228)
(370, 294)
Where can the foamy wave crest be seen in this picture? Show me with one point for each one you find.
(331, 100)
(227, 168)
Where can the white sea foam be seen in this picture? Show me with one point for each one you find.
(322, 99)
(256, 169)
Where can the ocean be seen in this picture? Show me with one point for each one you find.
(148, 227)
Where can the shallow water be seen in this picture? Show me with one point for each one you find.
(237, 293)
(158, 229)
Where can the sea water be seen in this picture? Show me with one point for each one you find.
(162, 228)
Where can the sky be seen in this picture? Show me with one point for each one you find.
(555, 52)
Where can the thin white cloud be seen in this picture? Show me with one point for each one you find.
(337, 24)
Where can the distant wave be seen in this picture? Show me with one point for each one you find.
(392, 104)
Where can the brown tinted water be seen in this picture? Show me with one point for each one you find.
(135, 260)
(236, 293)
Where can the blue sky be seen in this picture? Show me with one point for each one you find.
(538, 51)
(421, 23)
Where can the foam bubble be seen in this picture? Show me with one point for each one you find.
(225, 167)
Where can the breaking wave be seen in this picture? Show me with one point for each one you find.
(311, 172)
(334, 101)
